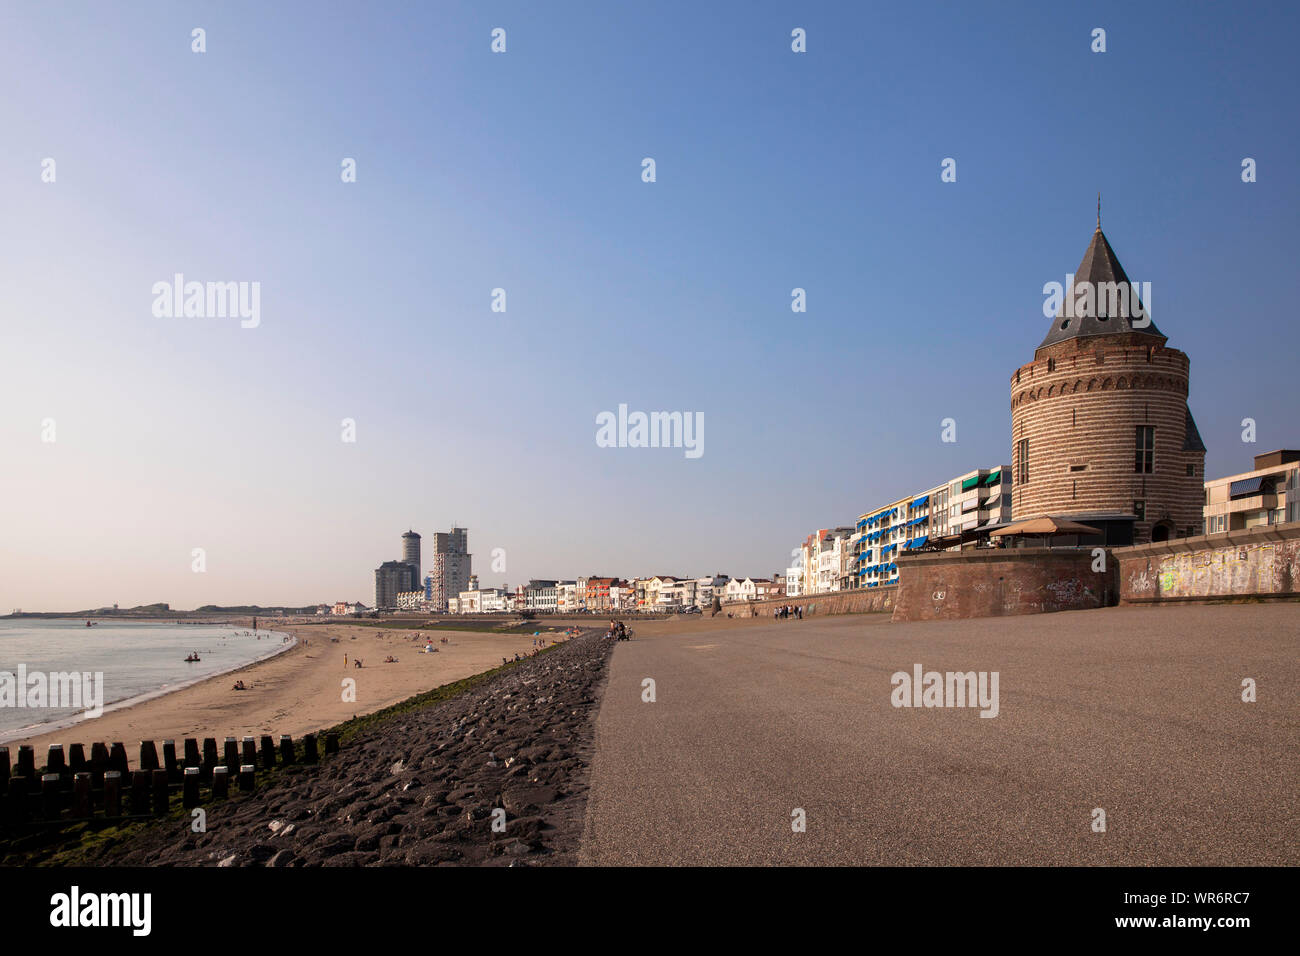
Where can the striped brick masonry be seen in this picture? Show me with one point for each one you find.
(1076, 409)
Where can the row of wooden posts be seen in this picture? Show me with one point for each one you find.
(71, 788)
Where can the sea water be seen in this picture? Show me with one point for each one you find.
(138, 660)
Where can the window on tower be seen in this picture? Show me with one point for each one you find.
(1022, 461)
(1145, 449)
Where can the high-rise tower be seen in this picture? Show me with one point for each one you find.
(411, 556)
(452, 566)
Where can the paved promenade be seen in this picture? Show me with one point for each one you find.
(1134, 710)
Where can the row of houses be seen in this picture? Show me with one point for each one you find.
(341, 609)
(600, 595)
(958, 513)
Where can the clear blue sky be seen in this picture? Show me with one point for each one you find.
(523, 171)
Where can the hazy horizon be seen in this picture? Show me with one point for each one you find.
(522, 171)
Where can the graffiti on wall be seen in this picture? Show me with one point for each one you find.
(1266, 567)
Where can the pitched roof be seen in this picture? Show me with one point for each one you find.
(1100, 265)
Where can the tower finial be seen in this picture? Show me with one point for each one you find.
(1098, 208)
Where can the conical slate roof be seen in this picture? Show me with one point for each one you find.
(1191, 434)
(1099, 267)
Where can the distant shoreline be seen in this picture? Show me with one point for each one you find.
(294, 691)
(62, 723)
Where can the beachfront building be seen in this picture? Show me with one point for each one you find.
(495, 601)
(1268, 494)
(972, 506)
(739, 589)
(540, 596)
(410, 600)
(833, 553)
(709, 587)
(674, 596)
(752, 589)
(653, 586)
(566, 597)
(452, 566)
(411, 557)
(622, 596)
(596, 593)
(794, 576)
(961, 512)
(391, 579)
(878, 536)
(394, 577)
(821, 562)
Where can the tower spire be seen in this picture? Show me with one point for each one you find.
(1098, 208)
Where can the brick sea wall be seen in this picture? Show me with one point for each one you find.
(995, 582)
(862, 601)
(1261, 563)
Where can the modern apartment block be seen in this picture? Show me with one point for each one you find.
(1269, 494)
(391, 579)
(452, 566)
(395, 577)
(960, 512)
(566, 597)
(410, 601)
(540, 596)
(411, 557)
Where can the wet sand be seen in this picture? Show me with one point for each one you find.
(299, 691)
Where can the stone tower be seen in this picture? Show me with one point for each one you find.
(1101, 430)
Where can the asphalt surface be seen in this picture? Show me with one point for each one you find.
(1136, 711)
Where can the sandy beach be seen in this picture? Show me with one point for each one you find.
(300, 690)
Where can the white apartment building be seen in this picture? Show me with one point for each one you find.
(742, 589)
(495, 601)
(410, 600)
(540, 596)
(794, 584)
(622, 596)
(707, 588)
(833, 558)
(676, 595)
(568, 598)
